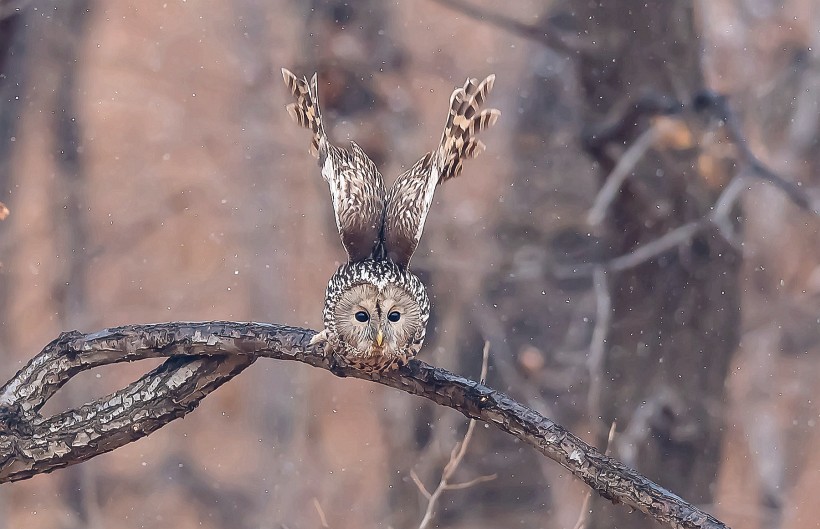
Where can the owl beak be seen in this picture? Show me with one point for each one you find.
(379, 338)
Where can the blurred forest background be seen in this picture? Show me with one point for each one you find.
(620, 245)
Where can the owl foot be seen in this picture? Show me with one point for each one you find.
(319, 338)
(337, 365)
(377, 363)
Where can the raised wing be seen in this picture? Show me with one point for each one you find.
(410, 198)
(356, 186)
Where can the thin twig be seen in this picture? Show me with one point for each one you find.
(319, 510)
(641, 254)
(419, 484)
(535, 33)
(719, 217)
(718, 106)
(619, 174)
(456, 456)
(722, 209)
(485, 362)
(659, 246)
(597, 347)
(474, 481)
(586, 506)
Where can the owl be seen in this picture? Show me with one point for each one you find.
(376, 310)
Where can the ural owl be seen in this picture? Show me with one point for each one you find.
(376, 310)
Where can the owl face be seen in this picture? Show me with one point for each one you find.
(377, 322)
(377, 313)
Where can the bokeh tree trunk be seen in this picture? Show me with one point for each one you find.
(675, 319)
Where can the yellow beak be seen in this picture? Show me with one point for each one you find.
(379, 338)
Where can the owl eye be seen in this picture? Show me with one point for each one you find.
(361, 316)
(394, 316)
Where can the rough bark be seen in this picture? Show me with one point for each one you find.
(205, 355)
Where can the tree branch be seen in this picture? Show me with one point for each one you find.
(717, 105)
(205, 355)
(456, 457)
(547, 36)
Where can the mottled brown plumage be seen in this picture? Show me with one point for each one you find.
(356, 186)
(410, 198)
(376, 310)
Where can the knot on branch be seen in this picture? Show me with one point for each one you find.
(65, 343)
(14, 420)
(711, 102)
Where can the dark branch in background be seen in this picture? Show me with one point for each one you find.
(595, 138)
(10, 8)
(547, 36)
(711, 104)
(717, 106)
(714, 106)
(205, 355)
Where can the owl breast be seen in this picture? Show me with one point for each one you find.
(375, 314)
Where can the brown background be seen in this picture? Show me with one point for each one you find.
(153, 175)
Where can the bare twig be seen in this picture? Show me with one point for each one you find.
(659, 246)
(622, 126)
(419, 484)
(485, 362)
(472, 482)
(586, 507)
(717, 105)
(722, 209)
(719, 217)
(597, 347)
(619, 174)
(205, 355)
(319, 510)
(535, 33)
(641, 254)
(456, 456)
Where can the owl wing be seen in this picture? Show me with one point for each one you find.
(356, 186)
(410, 198)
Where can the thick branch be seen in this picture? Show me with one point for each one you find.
(31, 445)
(217, 351)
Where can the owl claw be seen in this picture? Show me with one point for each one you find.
(319, 338)
(336, 367)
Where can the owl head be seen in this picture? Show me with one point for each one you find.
(376, 310)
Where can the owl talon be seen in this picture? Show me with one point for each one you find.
(337, 366)
(318, 338)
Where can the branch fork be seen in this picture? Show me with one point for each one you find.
(203, 356)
